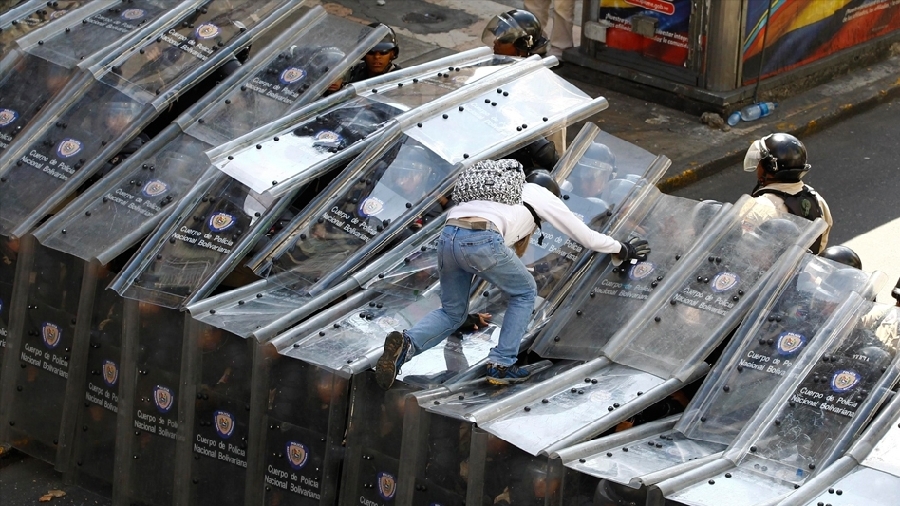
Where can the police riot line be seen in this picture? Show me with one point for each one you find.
(127, 92)
(128, 202)
(807, 424)
(54, 61)
(198, 260)
(867, 474)
(365, 208)
(816, 300)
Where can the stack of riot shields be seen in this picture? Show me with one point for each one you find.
(50, 160)
(347, 338)
(79, 371)
(868, 474)
(171, 172)
(237, 220)
(807, 423)
(375, 202)
(572, 402)
(815, 301)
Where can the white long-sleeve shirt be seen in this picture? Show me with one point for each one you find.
(516, 222)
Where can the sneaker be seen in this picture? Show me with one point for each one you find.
(396, 353)
(505, 375)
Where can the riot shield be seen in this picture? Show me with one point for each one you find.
(812, 418)
(97, 402)
(117, 107)
(165, 65)
(801, 312)
(152, 395)
(31, 16)
(50, 57)
(867, 474)
(218, 377)
(35, 392)
(168, 272)
(609, 295)
(709, 292)
(302, 432)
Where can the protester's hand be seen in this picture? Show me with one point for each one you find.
(634, 249)
(475, 321)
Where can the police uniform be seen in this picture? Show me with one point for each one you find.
(778, 203)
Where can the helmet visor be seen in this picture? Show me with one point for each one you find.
(502, 28)
(754, 155)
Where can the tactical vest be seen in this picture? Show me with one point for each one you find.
(804, 204)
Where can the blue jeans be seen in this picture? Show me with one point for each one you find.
(462, 253)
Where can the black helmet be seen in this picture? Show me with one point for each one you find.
(782, 156)
(609, 493)
(388, 42)
(842, 255)
(519, 28)
(543, 178)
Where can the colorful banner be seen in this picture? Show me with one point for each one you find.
(669, 43)
(803, 31)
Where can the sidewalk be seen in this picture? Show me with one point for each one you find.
(428, 29)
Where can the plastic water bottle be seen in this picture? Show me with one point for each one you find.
(752, 112)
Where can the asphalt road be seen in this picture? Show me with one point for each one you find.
(856, 167)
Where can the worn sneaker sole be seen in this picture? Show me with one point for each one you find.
(386, 367)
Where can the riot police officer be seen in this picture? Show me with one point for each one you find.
(515, 33)
(379, 60)
(779, 160)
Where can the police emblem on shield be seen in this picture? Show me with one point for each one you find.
(224, 424)
(132, 14)
(207, 31)
(724, 281)
(844, 381)
(641, 270)
(68, 147)
(297, 454)
(110, 373)
(154, 188)
(387, 486)
(789, 343)
(371, 206)
(58, 14)
(51, 335)
(291, 75)
(388, 323)
(220, 222)
(163, 398)
(7, 116)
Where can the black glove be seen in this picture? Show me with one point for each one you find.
(634, 249)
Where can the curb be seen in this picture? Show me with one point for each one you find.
(817, 111)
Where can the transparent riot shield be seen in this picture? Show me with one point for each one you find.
(218, 377)
(867, 474)
(810, 420)
(166, 64)
(96, 405)
(34, 393)
(701, 432)
(610, 295)
(710, 293)
(72, 146)
(31, 16)
(50, 57)
(374, 435)
(302, 432)
(154, 404)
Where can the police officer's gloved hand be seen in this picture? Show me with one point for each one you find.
(634, 249)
